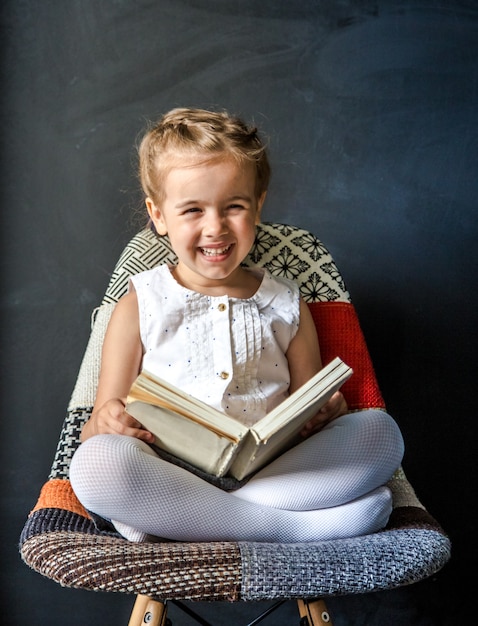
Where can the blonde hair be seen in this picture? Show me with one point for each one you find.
(184, 132)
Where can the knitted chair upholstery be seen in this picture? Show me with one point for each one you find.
(61, 541)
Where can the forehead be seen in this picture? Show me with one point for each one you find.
(192, 168)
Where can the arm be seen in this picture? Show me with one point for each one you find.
(304, 360)
(120, 364)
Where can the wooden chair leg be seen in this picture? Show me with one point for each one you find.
(313, 613)
(148, 611)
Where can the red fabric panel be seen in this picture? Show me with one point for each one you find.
(340, 335)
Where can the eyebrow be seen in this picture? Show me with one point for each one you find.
(190, 201)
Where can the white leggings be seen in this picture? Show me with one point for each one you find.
(329, 486)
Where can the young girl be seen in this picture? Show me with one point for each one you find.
(239, 339)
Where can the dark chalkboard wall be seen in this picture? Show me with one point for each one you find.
(371, 110)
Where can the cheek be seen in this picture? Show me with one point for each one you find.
(179, 238)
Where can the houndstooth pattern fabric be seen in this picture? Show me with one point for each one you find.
(69, 442)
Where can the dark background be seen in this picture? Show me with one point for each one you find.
(371, 110)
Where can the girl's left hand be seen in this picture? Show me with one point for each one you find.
(333, 409)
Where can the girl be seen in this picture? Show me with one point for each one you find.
(205, 177)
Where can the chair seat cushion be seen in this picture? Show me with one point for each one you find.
(61, 541)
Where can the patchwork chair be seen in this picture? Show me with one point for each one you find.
(61, 541)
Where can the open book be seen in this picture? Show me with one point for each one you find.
(217, 443)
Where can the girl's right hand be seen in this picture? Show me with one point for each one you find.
(111, 418)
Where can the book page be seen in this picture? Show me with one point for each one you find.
(158, 392)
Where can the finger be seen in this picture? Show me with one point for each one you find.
(146, 436)
(130, 421)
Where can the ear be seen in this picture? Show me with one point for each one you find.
(156, 217)
(260, 202)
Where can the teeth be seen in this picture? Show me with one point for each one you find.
(214, 251)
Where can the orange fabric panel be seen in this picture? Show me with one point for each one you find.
(340, 335)
(58, 494)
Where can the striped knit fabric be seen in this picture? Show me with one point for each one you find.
(61, 541)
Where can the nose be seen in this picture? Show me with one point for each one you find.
(215, 223)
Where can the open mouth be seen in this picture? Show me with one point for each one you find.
(216, 251)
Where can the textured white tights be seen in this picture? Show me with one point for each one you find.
(329, 486)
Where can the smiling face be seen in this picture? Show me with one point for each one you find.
(209, 212)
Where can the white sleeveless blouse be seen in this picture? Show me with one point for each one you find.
(228, 352)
